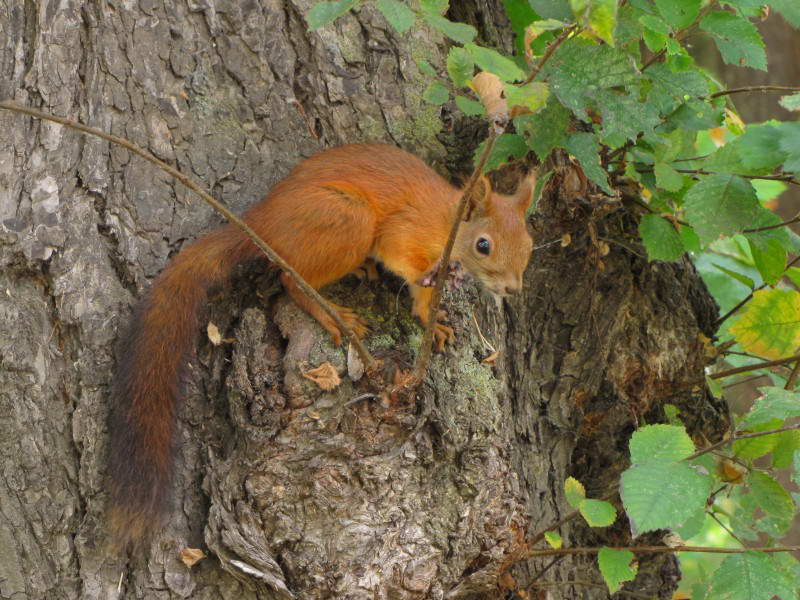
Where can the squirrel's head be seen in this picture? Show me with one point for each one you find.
(493, 243)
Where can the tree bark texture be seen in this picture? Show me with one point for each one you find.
(294, 491)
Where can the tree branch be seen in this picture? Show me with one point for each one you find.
(754, 88)
(364, 354)
(663, 550)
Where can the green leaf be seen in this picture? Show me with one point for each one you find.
(655, 32)
(788, 443)
(756, 447)
(459, 32)
(679, 13)
(625, 114)
(469, 107)
(323, 13)
(660, 238)
(737, 38)
(696, 115)
(398, 14)
(598, 513)
(586, 148)
(774, 403)
(789, 9)
(770, 259)
(790, 144)
(660, 443)
(720, 205)
(494, 62)
(506, 145)
(793, 273)
(434, 7)
(770, 324)
(553, 9)
(616, 567)
(532, 96)
(662, 495)
(547, 129)
(774, 501)
(737, 276)
(599, 15)
(553, 539)
(460, 66)
(671, 89)
(574, 492)
(668, 178)
(750, 576)
(425, 67)
(579, 67)
(759, 147)
(790, 102)
(436, 93)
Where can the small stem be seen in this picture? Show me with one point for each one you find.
(744, 436)
(366, 358)
(746, 368)
(548, 53)
(793, 377)
(421, 364)
(755, 88)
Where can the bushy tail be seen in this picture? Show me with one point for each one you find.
(147, 389)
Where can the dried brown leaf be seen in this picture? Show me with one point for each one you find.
(325, 376)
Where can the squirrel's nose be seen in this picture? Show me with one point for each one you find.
(513, 288)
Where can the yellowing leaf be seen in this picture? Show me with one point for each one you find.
(770, 326)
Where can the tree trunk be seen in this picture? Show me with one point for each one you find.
(293, 491)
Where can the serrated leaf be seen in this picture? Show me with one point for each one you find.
(459, 32)
(750, 576)
(436, 93)
(759, 147)
(774, 403)
(586, 148)
(696, 115)
(460, 66)
(770, 324)
(660, 443)
(323, 13)
(616, 567)
(671, 89)
(598, 513)
(625, 114)
(574, 492)
(736, 275)
(653, 32)
(758, 446)
(425, 67)
(660, 239)
(578, 68)
(790, 102)
(506, 145)
(679, 13)
(770, 259)
(789, 9)
(471, 108)
(547, 129)
(790, 144)
(434, 7)
(720, 205)
(773, 500)
(552, 9)
(788, 443)
(737, 39)
(600, 16)
(553, 539)
(494, 62)
(667, 178)
(662, 495)
(532, 96)
(398, 14)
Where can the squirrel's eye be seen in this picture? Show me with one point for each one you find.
(483, 246)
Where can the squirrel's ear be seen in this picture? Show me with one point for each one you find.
(479, 202)
(523, 197)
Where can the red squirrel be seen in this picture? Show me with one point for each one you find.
(332, 212)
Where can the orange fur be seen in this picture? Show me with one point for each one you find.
(333, 212)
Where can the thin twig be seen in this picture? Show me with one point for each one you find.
(424, 356)
(365, 356)
(793, 377)
(664, 550)
(743, 436)
(792, 221)
(548, 53)
(746, 368)
(755, 88)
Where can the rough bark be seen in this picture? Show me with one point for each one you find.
(288, 487)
